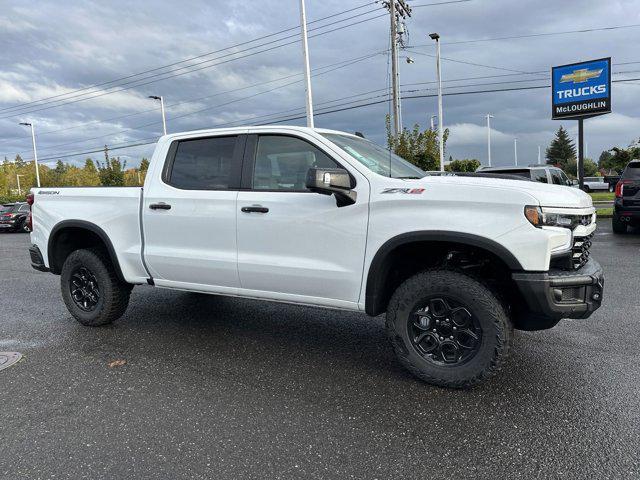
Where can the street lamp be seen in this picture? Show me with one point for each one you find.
(436, 37)
(18, 180)
(489, 117)
(35, 152)
(164, 120)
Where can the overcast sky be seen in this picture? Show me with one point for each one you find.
(52, 48)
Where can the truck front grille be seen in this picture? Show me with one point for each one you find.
(580, 251)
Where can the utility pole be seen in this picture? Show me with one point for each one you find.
(307, 70)
(515, 150)
(35, 152)
(397, 9)
(489, 117)
(538, 154)
(164, 120)
(436, 37)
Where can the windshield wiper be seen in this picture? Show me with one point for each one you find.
(409, 178)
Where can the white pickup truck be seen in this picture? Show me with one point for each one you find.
(329, 219)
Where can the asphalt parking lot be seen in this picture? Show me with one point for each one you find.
(221, 388)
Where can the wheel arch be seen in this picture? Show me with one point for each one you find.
(377, 289)
(70, 235)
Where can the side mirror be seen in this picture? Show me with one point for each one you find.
(329, 181)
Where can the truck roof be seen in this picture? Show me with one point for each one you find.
(262, 128)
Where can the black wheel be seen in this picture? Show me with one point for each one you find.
(618, 225)
(586, 189)
(91, 289)
(448, 329)
(23, 227)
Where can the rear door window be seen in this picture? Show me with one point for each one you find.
(205, 164)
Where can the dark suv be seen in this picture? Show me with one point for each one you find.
(13, 217)
(536, 173)
(626, 207)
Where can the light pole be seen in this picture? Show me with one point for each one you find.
(164, 120)
(307, 70)
(538, 154)
(489, 117)
(18, 180)
(515, 150)
(436, 37)
(35, 152)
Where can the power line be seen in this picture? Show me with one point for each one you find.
(196, 57)
(335, 66)
(189, 68)
(369, 102)
(533, 35)
(191, 100)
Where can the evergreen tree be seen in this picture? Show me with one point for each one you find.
(144, 165)
(561, 149)
(19, 161)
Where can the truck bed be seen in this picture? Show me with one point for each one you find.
(115, 210)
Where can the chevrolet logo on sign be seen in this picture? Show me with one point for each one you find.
(580, 76)
(581, 89)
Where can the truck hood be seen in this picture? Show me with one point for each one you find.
(547, 195)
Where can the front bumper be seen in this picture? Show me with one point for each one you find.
(557, 294)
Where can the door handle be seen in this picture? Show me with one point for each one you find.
(255, 208)
(160, 206)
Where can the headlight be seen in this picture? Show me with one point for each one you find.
(539, 218)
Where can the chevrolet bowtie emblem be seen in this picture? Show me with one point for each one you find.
(580, 76)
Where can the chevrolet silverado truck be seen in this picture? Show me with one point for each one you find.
(328, 219)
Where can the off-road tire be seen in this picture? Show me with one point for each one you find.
(617, 225)
(114, 293)
(489, 312)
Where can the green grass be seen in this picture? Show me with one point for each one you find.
(602, 196)
(604, 212)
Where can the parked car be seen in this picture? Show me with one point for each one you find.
(626, 206)
(13, 217)
(595, 184)
(325, 218)
(536, 173)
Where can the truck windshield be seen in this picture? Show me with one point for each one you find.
(374, 157)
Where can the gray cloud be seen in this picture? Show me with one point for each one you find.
(51, 48)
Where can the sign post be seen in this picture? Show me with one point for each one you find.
(581, 90)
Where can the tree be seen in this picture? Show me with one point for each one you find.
(561, 149)
(464, 165)
(19, 162)
(590, 168)
(111, 172)
(618, 157)
(418, 147)
(144, 165)
(58, 173)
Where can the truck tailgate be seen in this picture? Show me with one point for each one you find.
(114, 210)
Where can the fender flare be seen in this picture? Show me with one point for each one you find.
(92, 227)
(379, 267)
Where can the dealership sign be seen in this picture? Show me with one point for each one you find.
(581, 89)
